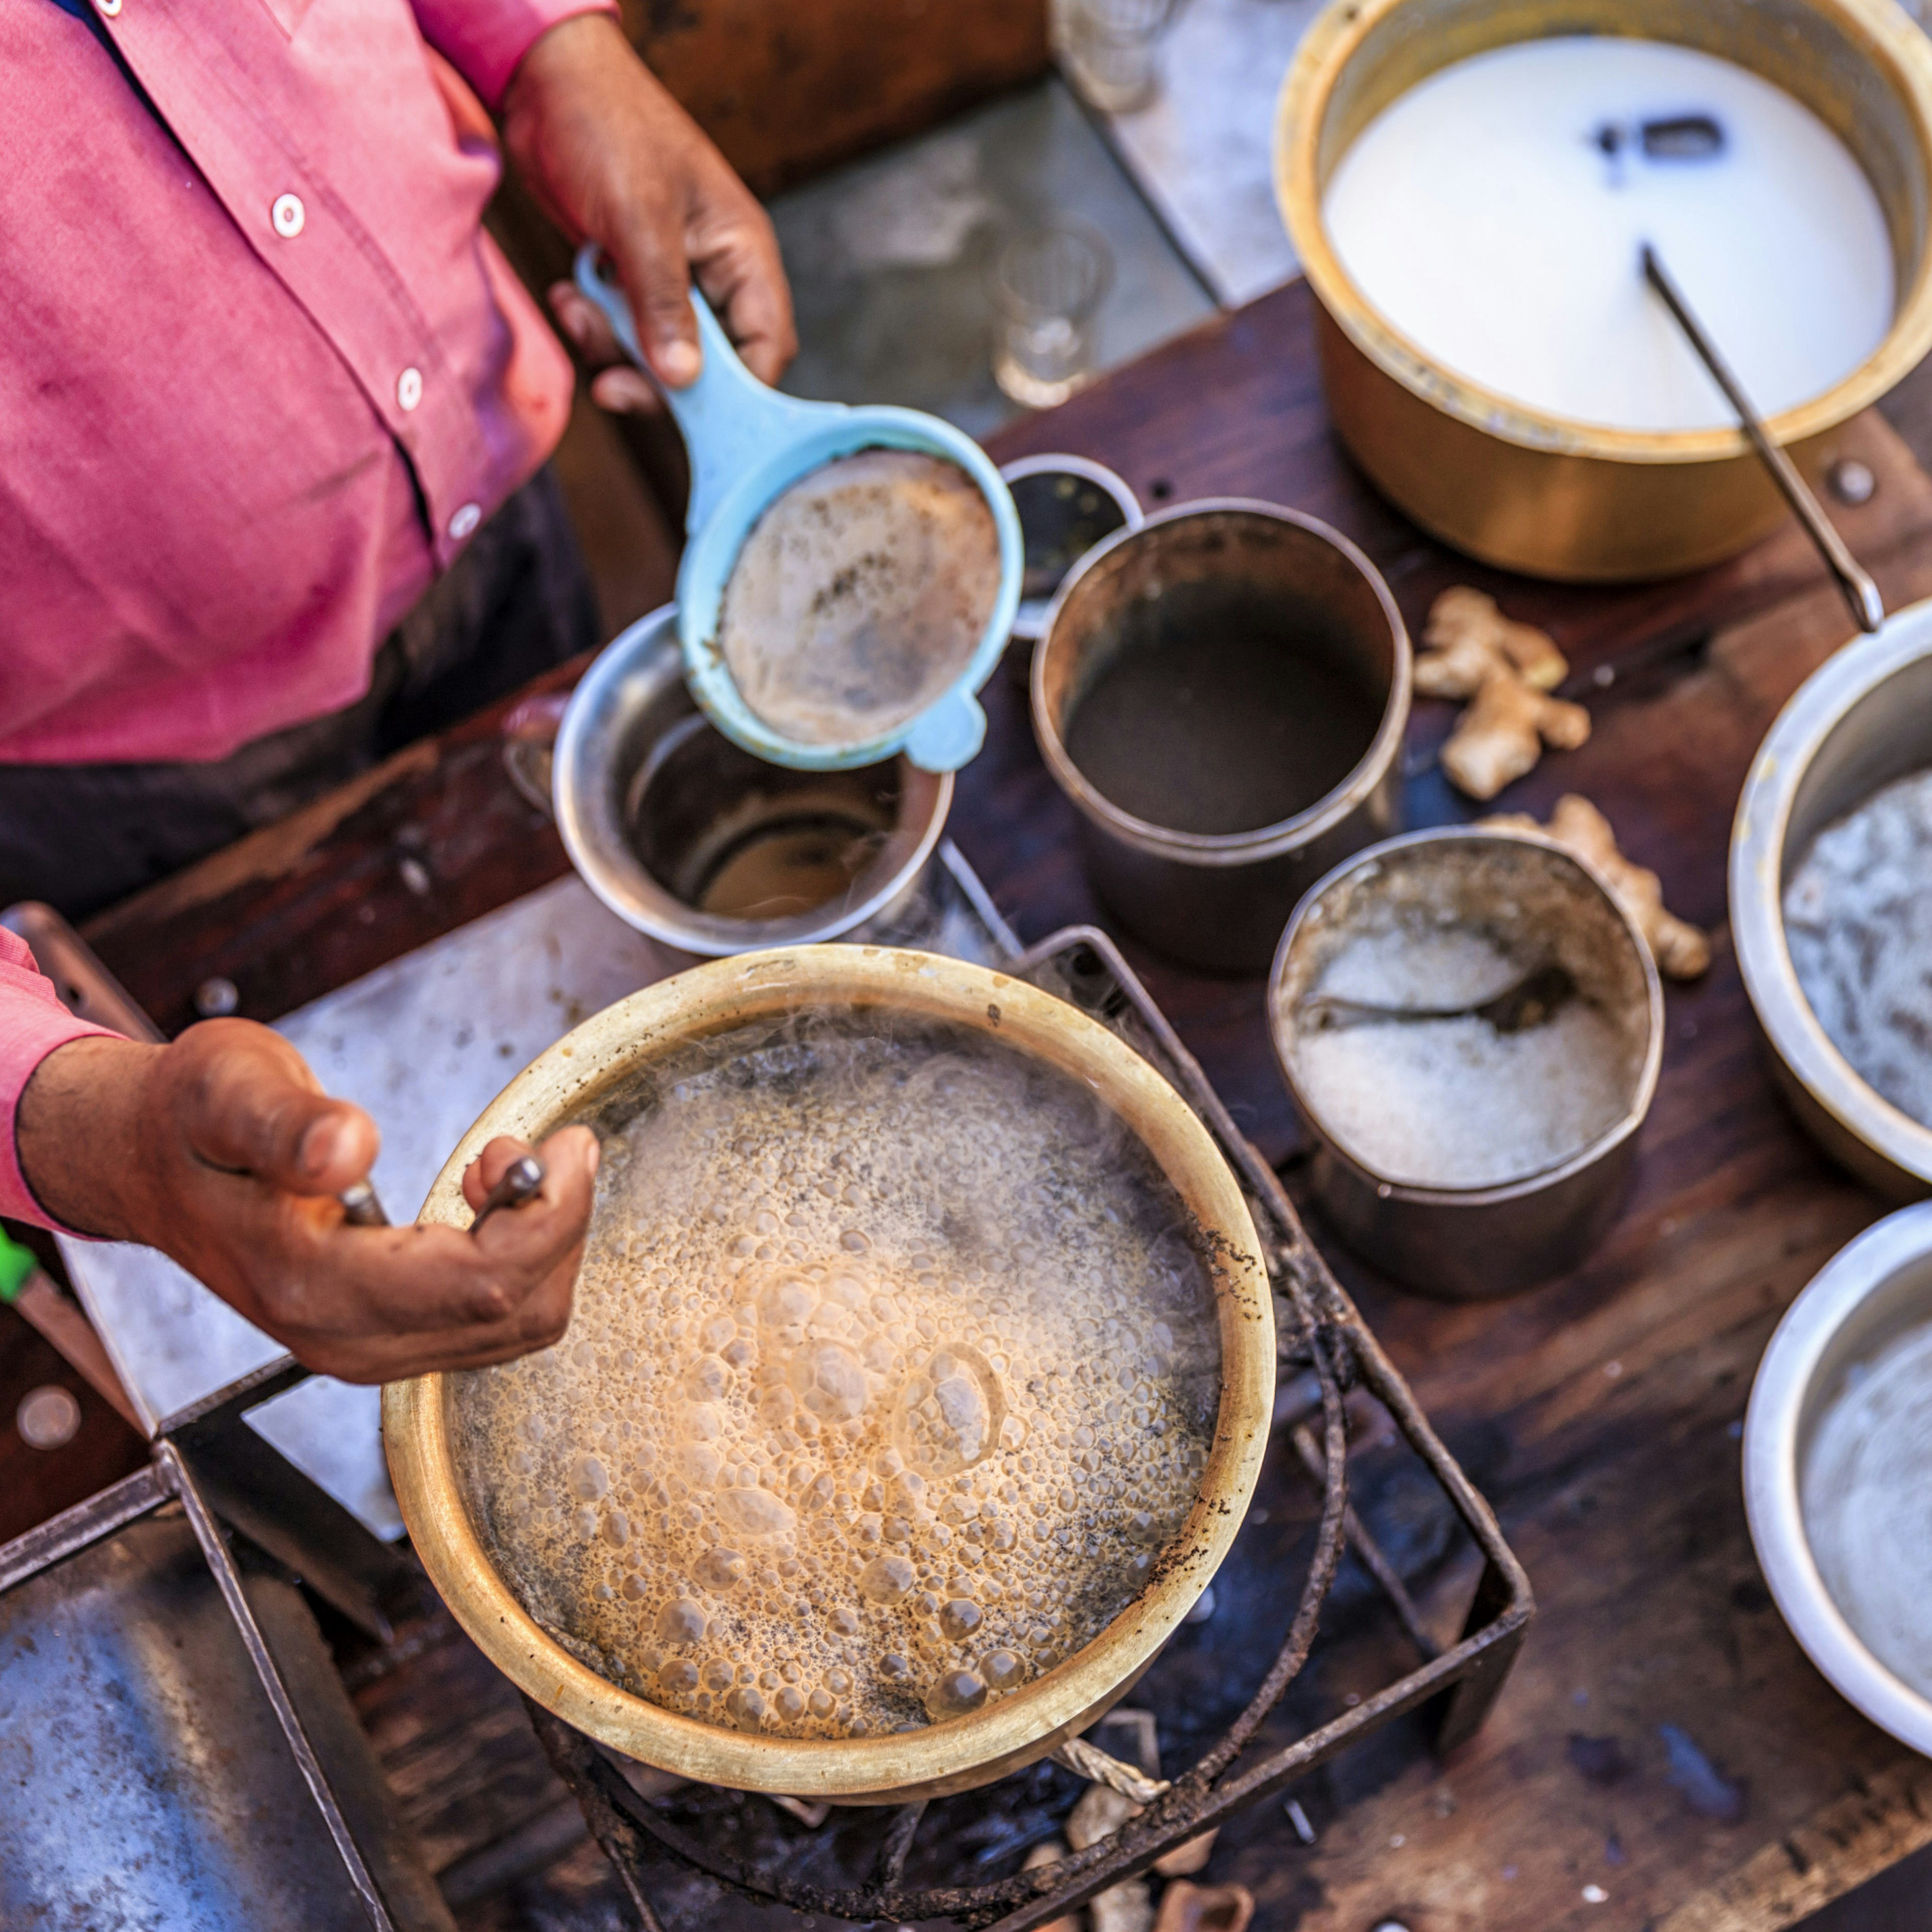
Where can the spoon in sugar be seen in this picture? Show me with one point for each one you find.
(1528, 1003)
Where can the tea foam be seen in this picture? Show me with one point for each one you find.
(893, 1368)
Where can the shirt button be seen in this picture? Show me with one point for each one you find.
(288, 214)
(110, 7)
(409, 389)
(465, 520)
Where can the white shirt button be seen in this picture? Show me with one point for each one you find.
(465, 520)
(409, 389)
(109, 8)
(288, 214)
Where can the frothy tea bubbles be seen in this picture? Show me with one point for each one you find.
(892, 1369)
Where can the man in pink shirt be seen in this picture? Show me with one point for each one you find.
(273, 414)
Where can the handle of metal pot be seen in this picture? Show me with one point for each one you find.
(530, 742)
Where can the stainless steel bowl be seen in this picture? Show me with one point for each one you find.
(1867, 1294)
(708, 849)
(1473, 1244)
(1218, 900)
(1861, 720)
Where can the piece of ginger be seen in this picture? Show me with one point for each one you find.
(1467, 637)
(1502, 733)
(1680, 951)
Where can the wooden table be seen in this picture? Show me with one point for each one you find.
(1663, 1743)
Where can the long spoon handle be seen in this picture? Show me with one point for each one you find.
(1855, 583)
(363, 1208)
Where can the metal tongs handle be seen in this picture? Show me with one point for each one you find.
(362, 1207)
(1855, 583)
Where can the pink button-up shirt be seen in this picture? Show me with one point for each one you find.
(262, 374)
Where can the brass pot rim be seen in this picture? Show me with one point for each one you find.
(1890, 39)
(567, 1081)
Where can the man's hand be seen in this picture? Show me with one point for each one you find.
(221, 1151)
(614, 159)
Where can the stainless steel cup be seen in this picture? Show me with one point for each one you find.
(1218, 900)
(1525, 893)
(708, 849)
(1066, 505)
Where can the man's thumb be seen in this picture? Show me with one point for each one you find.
(256, 1110)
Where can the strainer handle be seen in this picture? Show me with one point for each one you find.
(729, 419)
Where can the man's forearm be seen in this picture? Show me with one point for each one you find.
(485, 40)
(76, 1133)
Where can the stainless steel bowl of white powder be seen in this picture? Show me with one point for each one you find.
(1830, 879)
(1837, 1472)
(1466, 1158)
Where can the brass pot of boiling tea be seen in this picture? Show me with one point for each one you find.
(591, 1075)
(1539, 493)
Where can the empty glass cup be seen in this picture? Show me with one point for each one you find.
(1047, 284)
(1107, 49)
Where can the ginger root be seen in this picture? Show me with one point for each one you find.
(1467, 637)
(1680, 951)
(1472, 650)
(1205, 1908)
(1502, 734)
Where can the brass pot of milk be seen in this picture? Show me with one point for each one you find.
(1468, 185)
(919, 1376)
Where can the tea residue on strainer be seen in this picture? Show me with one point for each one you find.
(860, 596)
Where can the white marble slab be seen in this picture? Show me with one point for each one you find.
(1201, 151)
(423, 1044)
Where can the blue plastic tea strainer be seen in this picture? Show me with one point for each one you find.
(748, 444)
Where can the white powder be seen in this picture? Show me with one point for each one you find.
(1858, 920)
(1867, 1492)
(1454, 1103)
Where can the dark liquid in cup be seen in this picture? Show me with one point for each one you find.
(1226, 724)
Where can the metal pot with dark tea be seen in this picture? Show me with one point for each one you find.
(1222, 693)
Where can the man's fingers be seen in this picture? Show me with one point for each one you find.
(363, 1358)
(373, 1304)
(247, 1103)
(569, 1158)
(741, 273)
(650, 256)
(616, 383)
(445, 1280)
(490, 1167)
(624, 391)
(584, 323)
(396, 1283)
